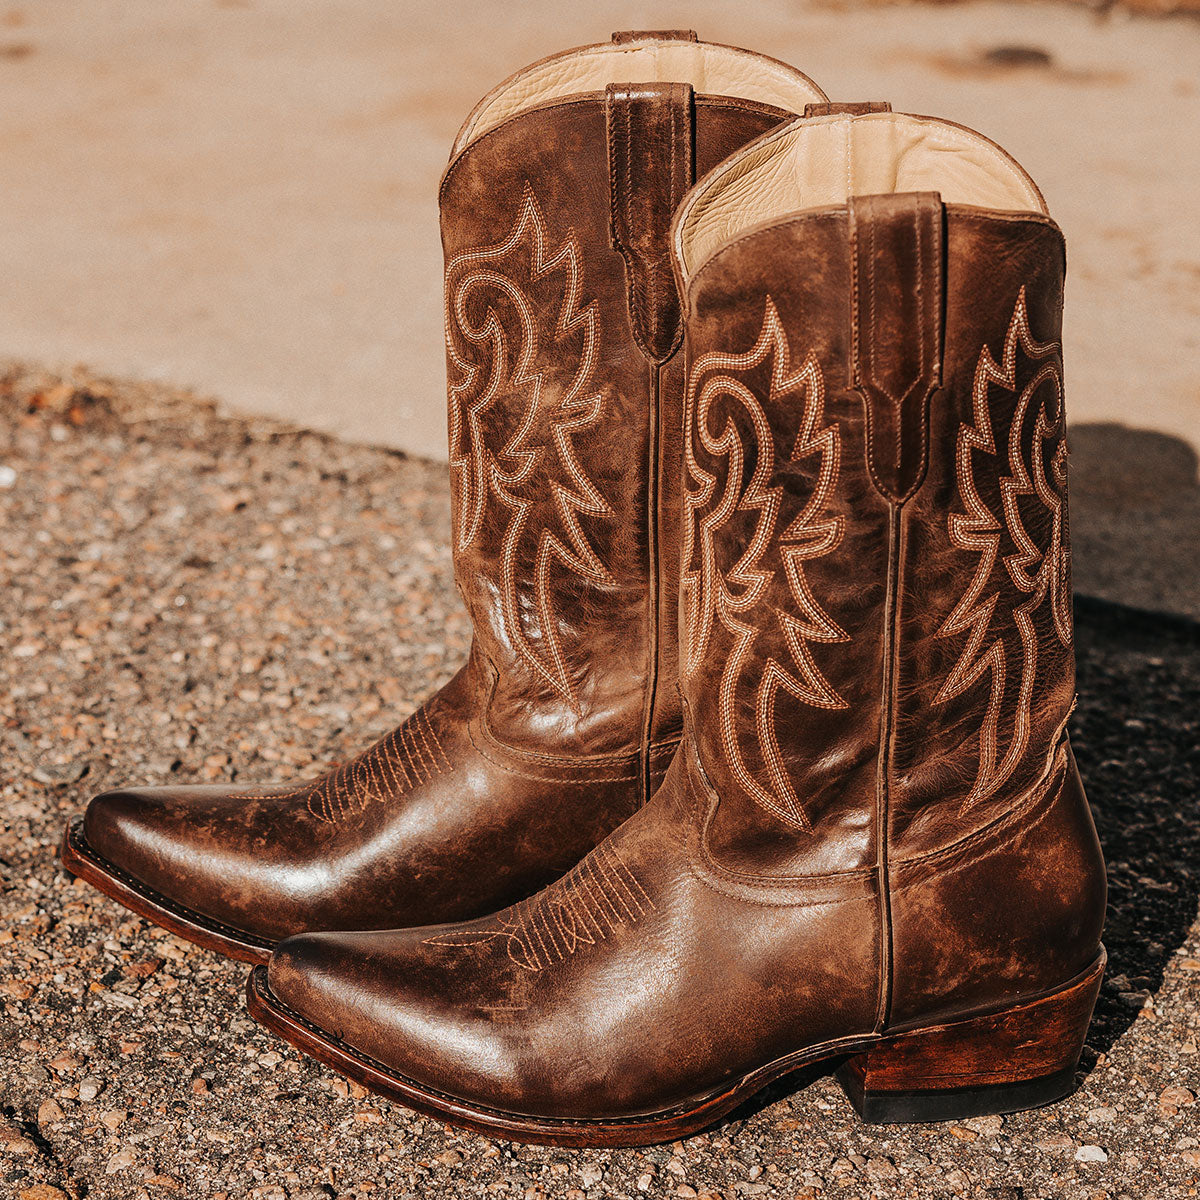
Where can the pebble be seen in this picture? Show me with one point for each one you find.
(90, 1088)
(882, 1168)
(1056, 1142)
(14, 1141)
(121, 1160)
(987, 1126)
(1091, 1154)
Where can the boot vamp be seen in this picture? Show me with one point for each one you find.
(641, 980)
(421, 828)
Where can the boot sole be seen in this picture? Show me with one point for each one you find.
(85, 863)
(1021, 1057)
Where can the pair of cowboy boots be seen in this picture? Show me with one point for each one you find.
(759, 758)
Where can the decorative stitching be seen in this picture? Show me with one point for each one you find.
(521, 474)
(409, 755)
(707, 592)
(1035, 572)
(588, 905)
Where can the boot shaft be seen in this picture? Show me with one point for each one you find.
(876, 581)
(565, 381)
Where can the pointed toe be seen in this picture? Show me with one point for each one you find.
(152, 849)
(123, 827)
(300, 978)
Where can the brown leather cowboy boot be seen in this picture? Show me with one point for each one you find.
(565, 391)
(873, 848)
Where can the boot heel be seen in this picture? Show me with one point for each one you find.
(1020, 1058)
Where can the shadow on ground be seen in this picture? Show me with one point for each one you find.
(1135, 736)
(1135, 518)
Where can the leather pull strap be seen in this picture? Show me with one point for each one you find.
(624, 36)
(897, 262)
(856, 108)
(650, 165)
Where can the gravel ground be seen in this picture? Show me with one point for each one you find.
(189, 598)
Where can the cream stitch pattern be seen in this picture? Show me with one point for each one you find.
(588, 905)
(411, 754)
(477, 471)
(1037, 573)
(708, 593)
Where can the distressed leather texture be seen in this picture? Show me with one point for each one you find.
(875, 821)
(566, 716)
(853, 108)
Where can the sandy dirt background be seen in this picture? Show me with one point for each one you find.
(239, 195)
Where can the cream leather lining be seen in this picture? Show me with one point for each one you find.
(709, 68)
(822, 161)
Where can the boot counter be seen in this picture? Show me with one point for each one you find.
(1014, 910)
